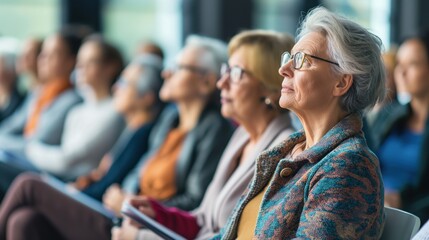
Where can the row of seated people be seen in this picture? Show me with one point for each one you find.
(61, 129)
(169, 156)
(190, 135)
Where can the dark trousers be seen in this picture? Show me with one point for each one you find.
(34, 210)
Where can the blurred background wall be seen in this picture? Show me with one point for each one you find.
(167, 22)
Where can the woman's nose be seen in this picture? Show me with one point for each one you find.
(221, 83)
(286, 70)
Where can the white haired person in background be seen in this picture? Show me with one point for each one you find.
(322, 182)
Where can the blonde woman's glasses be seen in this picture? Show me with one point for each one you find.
(235, 73)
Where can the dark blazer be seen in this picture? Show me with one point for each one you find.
(198, 159)
(415, 199)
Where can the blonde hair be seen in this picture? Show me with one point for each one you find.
(263, 51)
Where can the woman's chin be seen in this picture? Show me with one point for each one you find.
(285, 103)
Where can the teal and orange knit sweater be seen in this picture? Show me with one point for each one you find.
(332, 190)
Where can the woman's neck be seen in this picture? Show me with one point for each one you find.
(138, 118)
(95, 93)
(316, 125)
(189, 114)
(101, 93)
(255, 126)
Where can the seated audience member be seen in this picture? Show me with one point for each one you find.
(250, 92)
(185, 148)
(137, 98)
(10, 97)
(401, 133)
(189, 139)
(47, 111)
(322, 182)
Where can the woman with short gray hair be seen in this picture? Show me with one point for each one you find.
(322, 182)
(357, 52)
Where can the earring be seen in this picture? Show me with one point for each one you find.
(267, 102)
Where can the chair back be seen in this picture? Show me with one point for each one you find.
(423, 233)
(399, 225)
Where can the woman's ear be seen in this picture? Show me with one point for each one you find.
(343, 85)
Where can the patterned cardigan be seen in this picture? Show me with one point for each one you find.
(331, 191)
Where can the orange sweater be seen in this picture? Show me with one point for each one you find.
(47, 95)
(158, 177)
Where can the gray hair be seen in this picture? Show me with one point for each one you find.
(357, 51)
(216, 49)
(150, 79)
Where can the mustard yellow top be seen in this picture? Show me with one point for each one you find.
(247, 222)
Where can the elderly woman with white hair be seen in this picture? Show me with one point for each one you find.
(322, 182)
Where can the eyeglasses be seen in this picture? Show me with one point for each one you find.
(195, 69)
(235, 73)
(298, 59)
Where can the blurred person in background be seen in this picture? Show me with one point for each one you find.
(250, 92)
(10, 97)
(402, 134)
(47, 111)
(137, 99)
(402, 95)
(186, 145)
